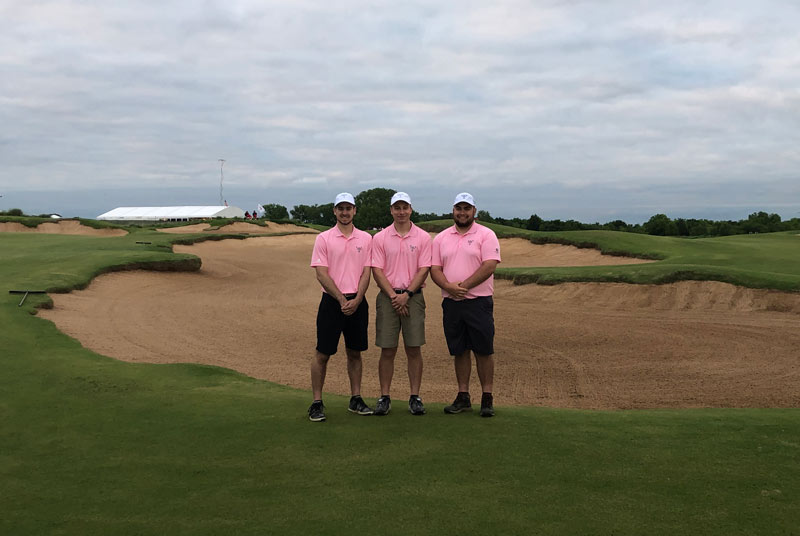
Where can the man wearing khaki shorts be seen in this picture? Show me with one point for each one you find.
(401, 260)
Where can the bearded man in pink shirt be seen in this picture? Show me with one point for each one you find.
(401, 260)
(464, 259)
(341, 259)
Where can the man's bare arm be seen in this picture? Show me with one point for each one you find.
(456, 291)
(382, 281)
(327, 283)
(484, 271)
(419, 279)
(363, 283)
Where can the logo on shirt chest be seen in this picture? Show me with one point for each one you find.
(359, 248)
(469, 242)
(412, 248)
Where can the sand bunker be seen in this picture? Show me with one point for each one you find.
(521, 252)
(239, 227)
(252, 308)
(68, 227)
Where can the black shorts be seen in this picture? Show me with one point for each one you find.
(332, 322)
(469, 325)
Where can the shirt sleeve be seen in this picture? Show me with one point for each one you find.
(426, 252)
(368, 245)
(378, 254)
(436, 253)
(319, 257)
(490, 247)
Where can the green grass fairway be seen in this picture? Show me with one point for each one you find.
(91, 445)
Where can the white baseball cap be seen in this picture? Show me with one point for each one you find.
(464, 197)
(344, 197)
(400, 196)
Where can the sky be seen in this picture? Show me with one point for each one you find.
(582, 110)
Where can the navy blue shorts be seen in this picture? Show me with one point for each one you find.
(469, 325)
(332, 322)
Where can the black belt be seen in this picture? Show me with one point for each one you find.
(402, 290)
(350, 296)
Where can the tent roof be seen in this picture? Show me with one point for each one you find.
(168, 213)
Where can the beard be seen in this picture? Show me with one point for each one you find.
(464, 224)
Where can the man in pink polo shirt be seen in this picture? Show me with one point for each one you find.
(341, 259)
(401, 259)
(464, 259)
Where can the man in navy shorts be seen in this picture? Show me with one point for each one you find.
(463, 262)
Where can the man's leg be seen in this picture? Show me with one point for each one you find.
(485, 366)
(386, 369)
(463, 366)
(319, 366)
(357, 404)
(414, 355)
(354, 371)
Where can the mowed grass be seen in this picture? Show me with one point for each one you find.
(90, 445)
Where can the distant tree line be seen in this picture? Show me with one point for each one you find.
(12, 212)
(373, 213)
(659, 224)
(19, 212)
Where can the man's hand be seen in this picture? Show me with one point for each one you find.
(349, 306)
(399, 301)
(457, 291)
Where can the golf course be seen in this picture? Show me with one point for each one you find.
(159, 385)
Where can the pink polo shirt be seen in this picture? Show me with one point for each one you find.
(344, 256)
(460, 256)
(400, 257)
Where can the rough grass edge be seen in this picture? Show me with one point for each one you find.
(671, 277)
(188, 241)
(591, 245)
(191, 264)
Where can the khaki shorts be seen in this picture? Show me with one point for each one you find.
(388, 323)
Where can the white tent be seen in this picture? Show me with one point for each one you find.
(170, 213)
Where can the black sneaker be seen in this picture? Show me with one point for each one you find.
(357, 405)
(316, 412)
(383, 406)
(415, 405)
(486, 405)
(461, 403)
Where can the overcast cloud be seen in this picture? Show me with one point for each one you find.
(585, 110)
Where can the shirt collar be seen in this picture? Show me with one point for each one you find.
(393, 230)
(338, 232)
(472, 230)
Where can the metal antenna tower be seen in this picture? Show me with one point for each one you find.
(221, 177)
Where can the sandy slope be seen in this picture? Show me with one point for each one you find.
(252, 308)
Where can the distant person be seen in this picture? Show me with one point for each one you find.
(401, 260)
(341, 259)
(463, 263)
(246, 215)
(255, 215)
